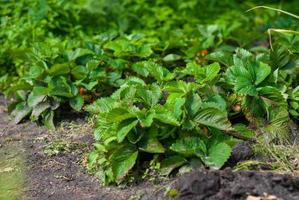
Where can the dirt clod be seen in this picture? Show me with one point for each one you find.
(226, 184)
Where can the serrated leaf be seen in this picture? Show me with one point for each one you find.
(193, 103)
(160, 73)
(217, 155)
(221, 56)
(171, 163)
(90, 85)
(151, 145)
(78, 53)
(243, 130)
(124, 129)
(140, 69)
(122, 161)
(79, 72)
(165, 116)
(20, 112)
(92, 158)
(119, 115)
(102, 105)
(38, 110)
(171, 58)
(261, 71)
(77, 102)
(59, 86)
(274, 95)
(213, 117)
(207, 73)
(59, 69)
(246, 73)
(241, 79)
(35, 72)
(146, 118)
(48, 120)
(279, 56)
(150, 96)
(135, 135)
(37, 95)
(189, 146)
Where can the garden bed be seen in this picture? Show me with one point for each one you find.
(52, 167)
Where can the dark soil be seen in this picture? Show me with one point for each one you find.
(57, 176)
(44, 173)
(227, 185)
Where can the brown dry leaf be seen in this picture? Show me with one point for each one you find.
(264, 197)
(253, 198)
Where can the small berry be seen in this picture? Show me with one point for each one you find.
(204, 52)
(82, 91)
(237, 108)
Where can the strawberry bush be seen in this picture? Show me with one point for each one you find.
(171, 82)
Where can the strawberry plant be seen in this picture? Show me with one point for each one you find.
(167, 118)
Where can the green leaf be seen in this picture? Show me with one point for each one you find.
(209, 72)
(35, 72)
(38, 110)
(243, 130)
(48, 120)
(255, 105)
(165, 116)
(279, 56)
(202, 74)
(124, 47)
(78, 53)
(79, 72)
(58, 86)
(245, 86)
(216, 101)
(273, 95)
(151, 145)
(92, 158)
(122, 161)
(102, 105)
(261, 71)
(89, 86)
(144, 51)
(146, 68)
(145, 118)
(176, 107)
(124, 129)
(150, 97)
(278, 116)
(171, 57)
(189, 146)
(135, 135)
(140, 69)
(241, 79)
(119, 115)
(37, 95)
(246, 73)
(221, 56)
(59, 69)
(193, 104)
(171, 163)
(217, 155)
(180, 88)
(77, 102)
(213, 117)
(20, 112)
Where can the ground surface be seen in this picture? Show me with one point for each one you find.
(32, 169)
(38, 164)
